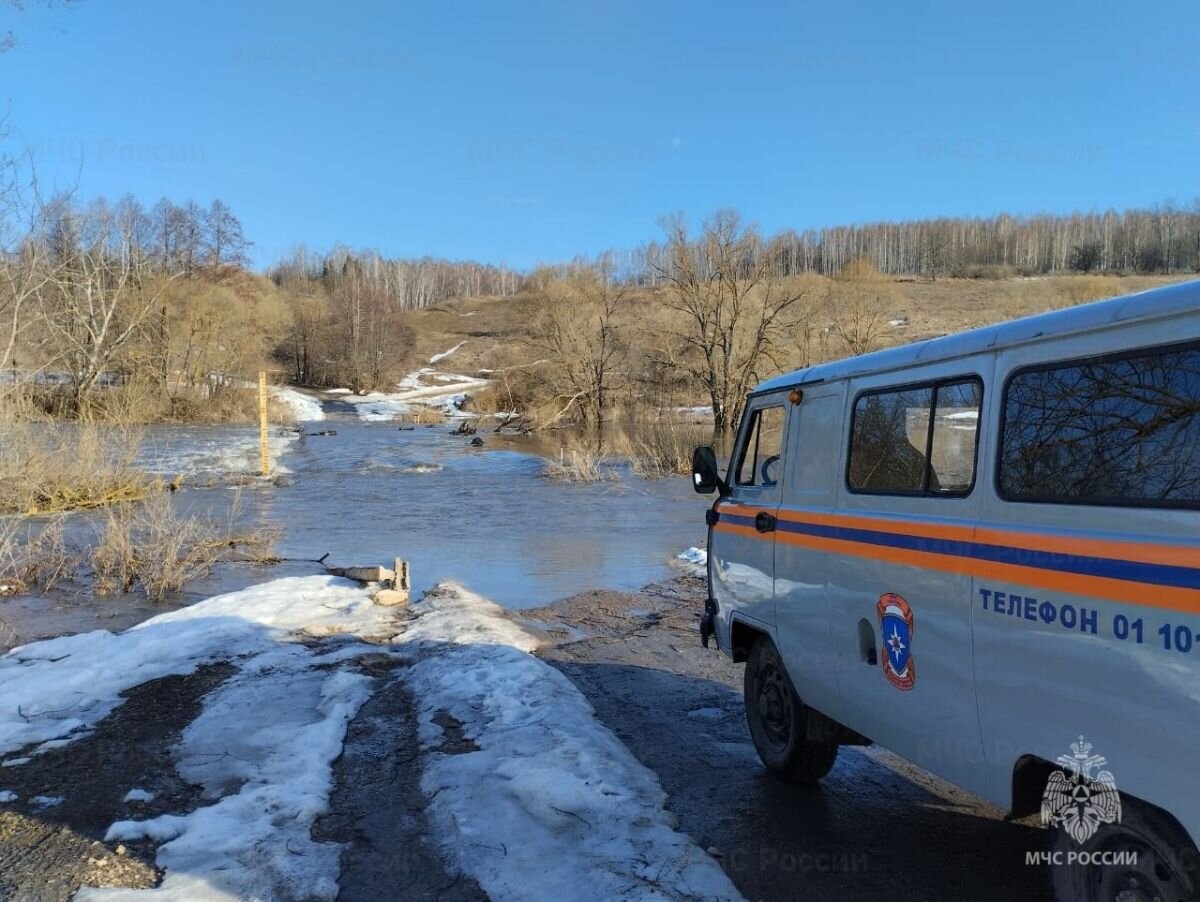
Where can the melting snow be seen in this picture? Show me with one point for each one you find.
(426, 388)
(304, 408)
(442, 356)
(262, 747)
(695, 561)
(7, 795)
(138, 795)
(551, 805)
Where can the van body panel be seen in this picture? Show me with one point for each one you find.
(935, 723)
(802, 573)
(1030, 622)
(741, 559)
(1042, 683)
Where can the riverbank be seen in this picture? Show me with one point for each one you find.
(456, 749)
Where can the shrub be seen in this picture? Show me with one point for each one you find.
(151, 547)
(46, 468)
(663, 448)
(577, 465)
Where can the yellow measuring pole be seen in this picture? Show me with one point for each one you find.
(264, 445)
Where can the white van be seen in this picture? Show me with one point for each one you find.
(982, 552)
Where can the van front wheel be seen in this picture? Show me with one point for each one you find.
(1144, 856)
(778, 720)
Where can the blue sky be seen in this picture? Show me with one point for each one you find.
(536, 131)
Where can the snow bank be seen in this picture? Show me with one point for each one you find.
(377, 406)
(442, 356)
(551, 805)
(52, 689)
(304, 408)
(262, 749)
(425, 387)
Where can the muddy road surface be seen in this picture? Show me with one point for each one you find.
(875, 827)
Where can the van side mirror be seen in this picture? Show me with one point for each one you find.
(706, 478)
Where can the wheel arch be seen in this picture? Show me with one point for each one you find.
(1030, 774)
(742, 636)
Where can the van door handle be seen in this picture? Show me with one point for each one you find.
(764, 522)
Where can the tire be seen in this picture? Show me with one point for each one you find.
(778, 720)
(1167, 867)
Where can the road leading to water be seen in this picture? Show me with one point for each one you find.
(876, 827)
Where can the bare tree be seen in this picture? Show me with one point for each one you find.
(577, 331)
(25, 261)
(224, 241)
(100, 297)
(861, 297)
(735, 313)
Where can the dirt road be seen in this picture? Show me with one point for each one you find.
(876, 826)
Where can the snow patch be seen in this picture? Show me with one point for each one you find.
(694, 561)
(46, 801)
(262, 748)
(274, 730)
(550, 805)
(55, 688)
(138, 795)
(425, 388)
(7, 795)
(304, 408)
(442, 356)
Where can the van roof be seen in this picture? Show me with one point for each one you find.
(1155, 303)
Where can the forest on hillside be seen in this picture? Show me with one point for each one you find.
(162, 300)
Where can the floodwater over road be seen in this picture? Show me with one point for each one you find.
(482, 516)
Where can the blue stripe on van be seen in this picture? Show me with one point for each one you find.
(1109, 568)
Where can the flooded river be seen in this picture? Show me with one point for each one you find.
(482, 516)
(485, 516)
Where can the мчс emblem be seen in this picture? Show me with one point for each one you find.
(896, 626)
(1076, 801)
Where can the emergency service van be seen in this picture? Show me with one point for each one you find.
(982, 552)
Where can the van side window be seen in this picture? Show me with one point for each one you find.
(1118, 430)
(760, 463)
(916, 440)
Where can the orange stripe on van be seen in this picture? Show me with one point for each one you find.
(1145, 552)
(1151, 595)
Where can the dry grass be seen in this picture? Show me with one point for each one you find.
(1082, 289)
(151, 547)
(577, 465)
(661, 449)
(34, 553)
(148, 547)
(48, 468)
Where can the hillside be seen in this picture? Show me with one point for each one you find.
(491, 334)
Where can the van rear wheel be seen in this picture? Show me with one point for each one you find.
(778, 720)
(1156, 861)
